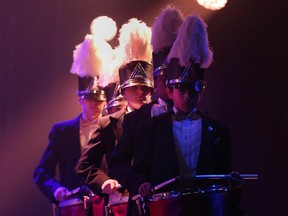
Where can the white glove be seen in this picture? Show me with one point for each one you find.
(60, 194)
(110, 186)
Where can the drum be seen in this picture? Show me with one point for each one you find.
(208, 201)
(76, 207)
(72, 207)
(117, 204)
(97, 205)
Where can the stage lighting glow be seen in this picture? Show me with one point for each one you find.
(212, 4)
(104, 27)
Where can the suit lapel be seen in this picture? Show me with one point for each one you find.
(166, 126)
(116, 123)
(206, 156)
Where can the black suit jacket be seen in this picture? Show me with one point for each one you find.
(64, 149)
(92, 165)
(155, 158)
(123, 153)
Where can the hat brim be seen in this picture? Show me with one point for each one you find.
(96, 97)
(139, 82)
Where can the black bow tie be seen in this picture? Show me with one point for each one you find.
(182, 116)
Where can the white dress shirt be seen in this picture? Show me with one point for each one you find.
(187, 138)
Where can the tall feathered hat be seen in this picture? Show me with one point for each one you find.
(114, 97)
(164, 33)
(189, 55)
(110, 77)
(92, 57)
(135, 43)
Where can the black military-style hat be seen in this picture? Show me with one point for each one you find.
(160, 62)
(164, 33)
(89, 89)
(178, 75)
(189, 56)
(90, 59)
(136, 73)
(114, 98)
(135, 41)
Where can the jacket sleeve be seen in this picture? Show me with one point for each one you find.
(142, 162)
(89, 164)
(122, 155)
(44, 173)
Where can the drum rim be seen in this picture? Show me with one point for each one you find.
(211, 189)
(115, 199)
(70, 202)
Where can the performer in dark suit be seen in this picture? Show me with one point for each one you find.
(212, 156)
(164, 33)
(109, 129)
(182, 142)
(68, 139)
(136, 87)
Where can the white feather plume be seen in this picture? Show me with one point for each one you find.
(135, 41)
(192, 44)
(86, 61)
(165, 28)
(103, 27)
(94, 56)
(110, 72)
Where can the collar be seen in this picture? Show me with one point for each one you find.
(128, 109)
(164, 104)
(179, 116)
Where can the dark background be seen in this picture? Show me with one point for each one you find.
(247, 88)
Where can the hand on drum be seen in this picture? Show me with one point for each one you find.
(60, 194)
(110, 186)
(145, 189)
(84, 191)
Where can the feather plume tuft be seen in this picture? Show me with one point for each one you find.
(135, 41)
(103, 27)
(86, 61)
(165, 28)
(95, 57)
(191, 45)
(110, 72)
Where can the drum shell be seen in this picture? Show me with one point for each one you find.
(201, 203)
(76, 207)
(117, 204)
(118, 209)
(98, 205)
(72, 207)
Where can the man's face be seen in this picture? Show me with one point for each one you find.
(137, 95)
(115, 109)
(184, 99)
(160, 87)
(92, 109)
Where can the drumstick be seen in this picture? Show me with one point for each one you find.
(74, 191)
(157, 187)
(118, 186)
(244, 176)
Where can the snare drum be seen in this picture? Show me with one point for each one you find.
(76, 207)
(97, 205)
(72, 207)
(117, 204)
(209, 201)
